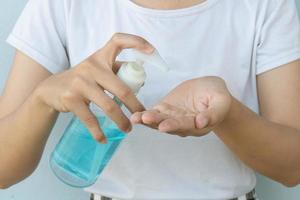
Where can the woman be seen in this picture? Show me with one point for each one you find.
(236, 67)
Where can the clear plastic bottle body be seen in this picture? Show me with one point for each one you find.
(78, 159)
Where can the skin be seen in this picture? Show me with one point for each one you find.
(167, 4)
(26, 119)
(267, 143)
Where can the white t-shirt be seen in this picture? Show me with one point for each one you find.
(233, 39)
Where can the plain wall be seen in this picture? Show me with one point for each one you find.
(42, 185)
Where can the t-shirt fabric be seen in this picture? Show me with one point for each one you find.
(233, 39)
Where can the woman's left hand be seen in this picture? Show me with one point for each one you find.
(194, 108)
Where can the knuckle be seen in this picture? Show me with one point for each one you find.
(139, 108)
(116, 38)
(124, 124)
(142, 41)
(161, 107)
(124, 93)
(99, 137)
(78, 80)
(110, 107)
(67, 98)
(84, 69)
(95, 60)
(105, 67)
(90, 121)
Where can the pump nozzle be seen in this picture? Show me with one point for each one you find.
(154, 59)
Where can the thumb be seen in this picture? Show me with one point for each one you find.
(215, 113)
(122, 41)
(202, 120)
(116, 66)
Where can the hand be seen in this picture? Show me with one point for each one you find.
(194, 108)
(74, 89)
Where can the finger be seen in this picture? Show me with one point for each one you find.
(181, 124)
(170, 109)
(153, 118)
(150, 118)
(121, 41)
(136, 118)
(217, 110)
(184, 126)
(163, 107)
(108, 105)
(88, 118)
(202, 120)
(209, 117)
(110, 82)
(194, 132)
(116, 66)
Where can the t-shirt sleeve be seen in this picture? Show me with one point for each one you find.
(279, 40)
(40, 33)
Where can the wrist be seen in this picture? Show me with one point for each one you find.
(37, 98)
(232, 117)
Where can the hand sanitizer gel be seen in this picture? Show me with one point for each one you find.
(78, 159)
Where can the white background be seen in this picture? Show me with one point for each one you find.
(42, 185)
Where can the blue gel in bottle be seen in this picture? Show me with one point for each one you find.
(78, 159)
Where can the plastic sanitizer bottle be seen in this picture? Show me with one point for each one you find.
(78, 159)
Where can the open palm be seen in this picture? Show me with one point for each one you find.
(193, 108)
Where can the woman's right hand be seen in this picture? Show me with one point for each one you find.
(73, 90)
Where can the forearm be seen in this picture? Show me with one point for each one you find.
(23, 135)
(269, 148)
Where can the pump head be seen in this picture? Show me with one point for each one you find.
(133, 73)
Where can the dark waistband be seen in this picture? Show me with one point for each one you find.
(249, 196)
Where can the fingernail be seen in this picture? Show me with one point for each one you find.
(205, 123)
(103, 141)
(150, 49)
(129, 129)
(202, 122)
(134, 119)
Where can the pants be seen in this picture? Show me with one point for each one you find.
(250, 196)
